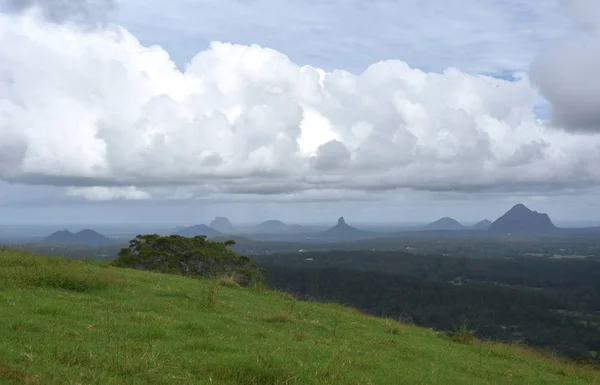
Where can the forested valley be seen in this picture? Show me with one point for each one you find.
(549, 303)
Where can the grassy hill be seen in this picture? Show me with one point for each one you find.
(74, 322)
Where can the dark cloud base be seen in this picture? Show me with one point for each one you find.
(63, 10)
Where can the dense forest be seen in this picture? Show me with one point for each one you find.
(450, 243)
(547, 303)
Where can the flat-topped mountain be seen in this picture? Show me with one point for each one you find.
(444, 224)
(482, 225)
(520, 219)
(196, 230)
(223, 225)
(84, 237)
(277, 227)
(344, 231)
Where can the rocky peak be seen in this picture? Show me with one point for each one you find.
(520, 219)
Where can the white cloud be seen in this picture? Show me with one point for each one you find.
(96, 110)
(99, 193)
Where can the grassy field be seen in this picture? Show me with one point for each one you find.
(73, 322)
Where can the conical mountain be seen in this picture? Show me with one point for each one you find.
(91, 237)
(223, 225)
(482, 225)
(196, 230)
(63, 236)
(521, 220)
(444, 224)
(344, 231)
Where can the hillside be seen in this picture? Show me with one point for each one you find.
(83, 237)
(521, 220)
(444, 224)
(81, 322)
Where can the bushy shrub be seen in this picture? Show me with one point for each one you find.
(462, 334)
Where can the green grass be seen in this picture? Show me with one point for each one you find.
(73, 322)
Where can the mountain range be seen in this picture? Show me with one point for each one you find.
(518, 220)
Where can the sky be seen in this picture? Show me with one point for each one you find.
(380, 111)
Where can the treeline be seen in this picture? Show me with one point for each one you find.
(451, 243)
(551, 304)
(530, 271)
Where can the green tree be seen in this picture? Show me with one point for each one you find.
(197, 257)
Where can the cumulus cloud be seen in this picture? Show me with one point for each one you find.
(331, 155)
(96, 111)
(567, 75)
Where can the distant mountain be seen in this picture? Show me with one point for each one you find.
(521, 220)
(84, 237)
(223, 225)
(64, 236)
(343, 231)
(444, 224)
(179, 228)
(278, 227)
(199, 230)
(482, 225)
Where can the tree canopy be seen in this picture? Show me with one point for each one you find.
(195, 256)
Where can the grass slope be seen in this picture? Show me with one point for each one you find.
(73, 322)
